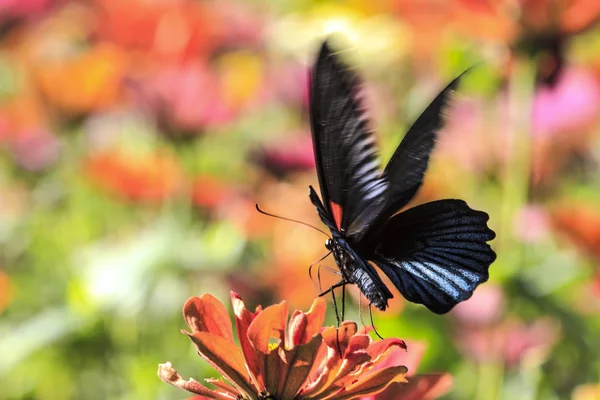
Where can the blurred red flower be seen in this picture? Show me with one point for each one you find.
(169, 30)
(295, 360)
(210, 192)
(148, 178)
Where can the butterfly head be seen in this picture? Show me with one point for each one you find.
(329, 244)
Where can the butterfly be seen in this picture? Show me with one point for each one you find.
(436, 253)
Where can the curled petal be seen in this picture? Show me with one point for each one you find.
(303, 326)
(207, 314)
(428, 386)
(381, 346)
(243, 319)
(168, 374)
(225, 357)
(269, 324)
(338, 338)
(371, 384)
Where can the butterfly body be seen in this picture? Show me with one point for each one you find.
(436, 253)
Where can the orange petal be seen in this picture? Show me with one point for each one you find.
(243, 319)
(168, 374)
(429, 386)
(303, 326)
(294, 367)
(223, 386)
(371, 384)
(336, 341)
(207, 314)
(225, 357)
(381, 346)
(338, 338)
(269, 324)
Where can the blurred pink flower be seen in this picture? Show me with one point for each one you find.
(244, 24)
(35, 150)
(486, 306)
(509, 341)
(23, 8)
(287, 156)
(532, 224)
(187, 97)
(570, 106)
(483, 333)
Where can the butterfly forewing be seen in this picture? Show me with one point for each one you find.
(345, 152)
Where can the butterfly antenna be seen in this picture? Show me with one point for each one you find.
(372, 324)
(291, 220)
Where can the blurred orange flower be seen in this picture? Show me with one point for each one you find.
(6, 292)
(587, 392)
(149, 178)
(277, 359)
(581, 224)
(86, 82)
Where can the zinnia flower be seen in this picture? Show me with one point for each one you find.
(281, 360)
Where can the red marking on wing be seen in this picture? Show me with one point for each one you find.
(336, 209)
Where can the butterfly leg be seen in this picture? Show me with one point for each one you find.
(343, 301)
(337, 317)
(318, 271)
(335, 286)
(372, 324)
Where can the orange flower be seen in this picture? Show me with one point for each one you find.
(86, 82)
(280, 360)
(151, 178)
(580, 222)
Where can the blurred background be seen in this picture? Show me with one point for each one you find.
(136, 137)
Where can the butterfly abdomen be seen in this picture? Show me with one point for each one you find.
(358, 271)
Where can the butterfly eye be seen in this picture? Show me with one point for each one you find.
(328, 244)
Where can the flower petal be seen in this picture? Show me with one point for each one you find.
(225, 357)
(338, 338)
(268, 324)
(223, 386)
(243, 319)
(207, 314)
(168, 374)
(295, 367)
(303, 326)
(371, 384)
(332, 363)
(420, 387)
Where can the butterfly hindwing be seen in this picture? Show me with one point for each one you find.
(436, 253)
(347, 164)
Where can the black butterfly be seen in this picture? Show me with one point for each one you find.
(436, 253)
